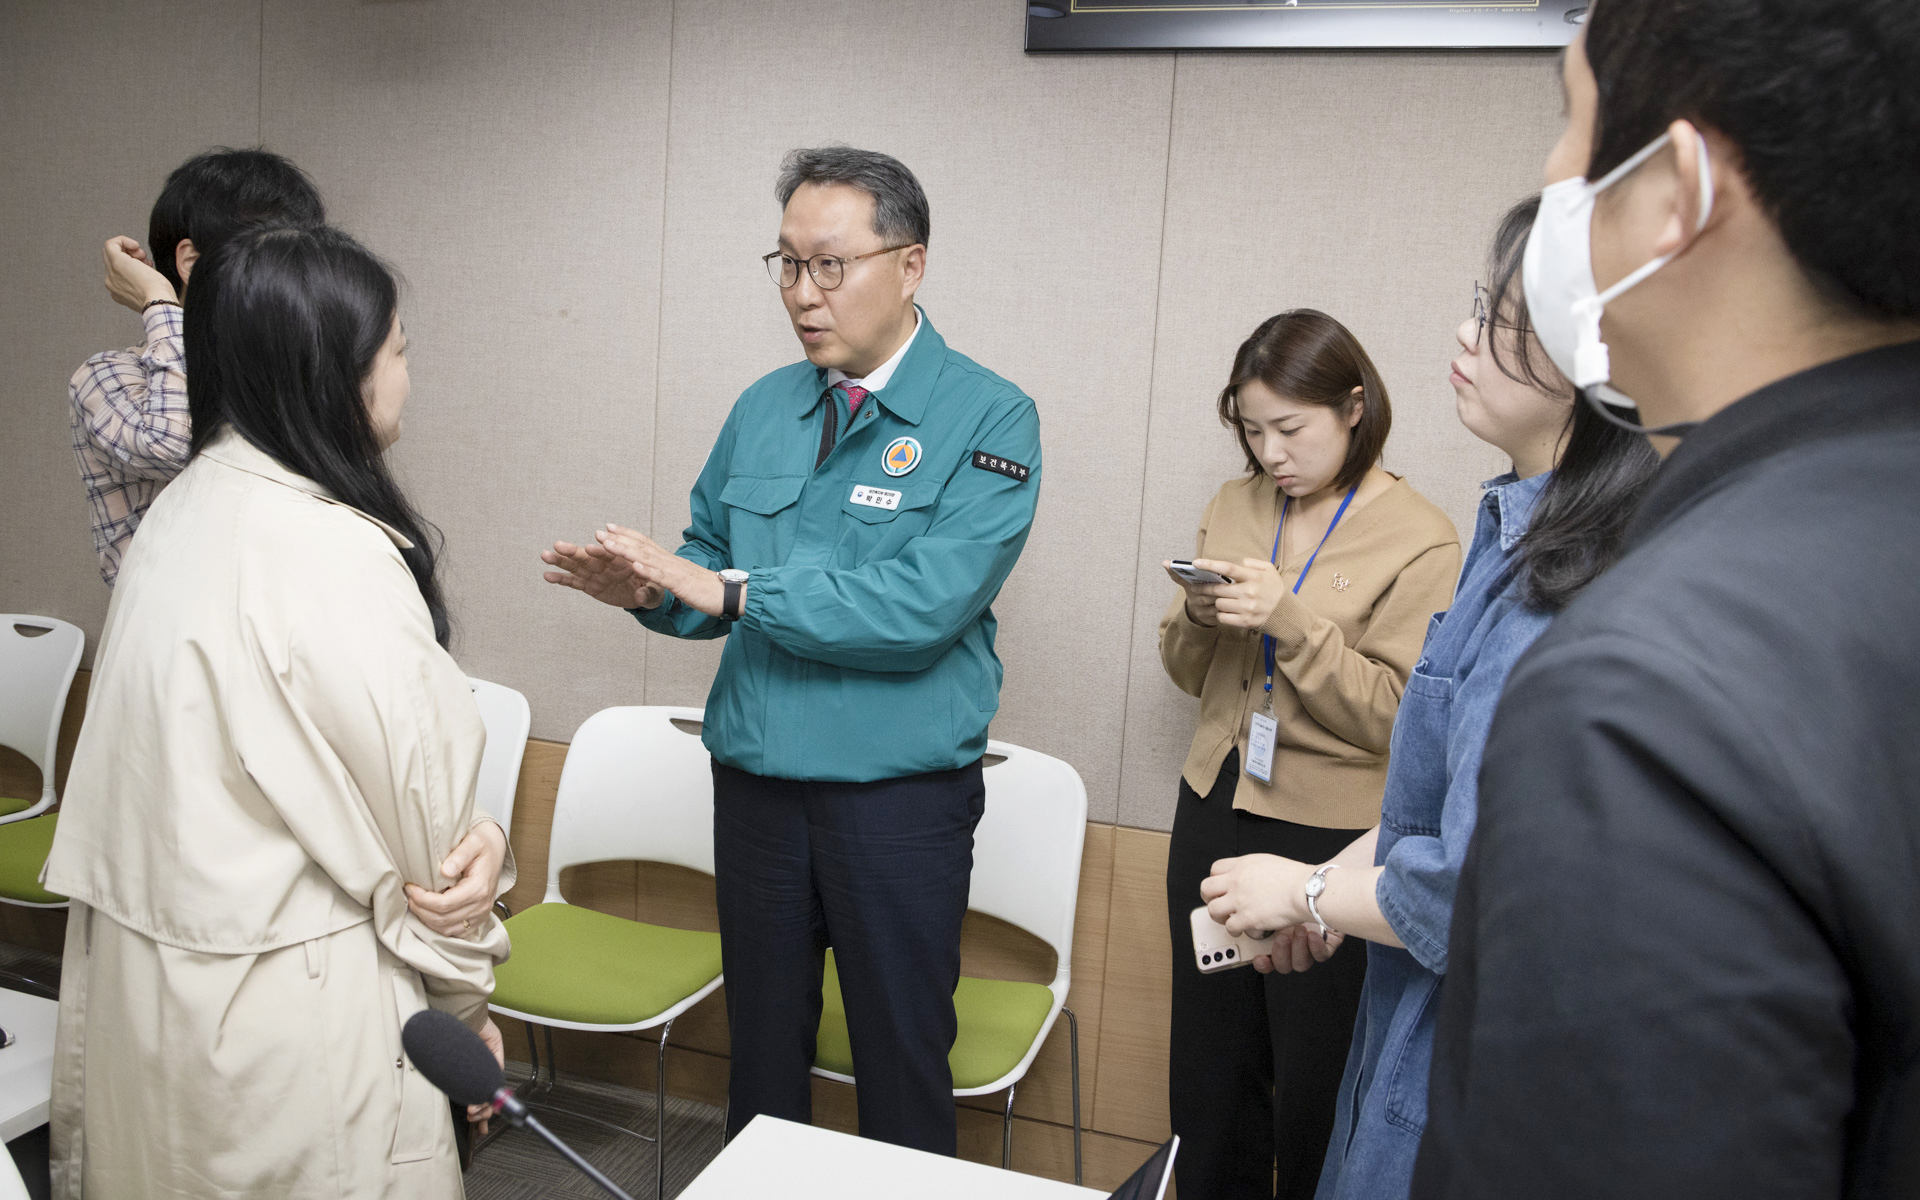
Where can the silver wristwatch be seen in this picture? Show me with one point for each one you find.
(1316, 884)
(734, 582)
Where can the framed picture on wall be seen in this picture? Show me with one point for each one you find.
(1301, 24)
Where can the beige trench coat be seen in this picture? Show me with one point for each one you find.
(274, 745)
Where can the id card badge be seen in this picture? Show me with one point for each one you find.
(1260, 746)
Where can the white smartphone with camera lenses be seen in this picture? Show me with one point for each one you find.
(1214, 949)
(1188, 573)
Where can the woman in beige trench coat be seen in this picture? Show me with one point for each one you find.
(276, 744)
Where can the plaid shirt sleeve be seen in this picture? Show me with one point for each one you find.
(133, 405)
(131, 430)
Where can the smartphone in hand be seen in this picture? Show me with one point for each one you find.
(1214, 949)
(1186, 572)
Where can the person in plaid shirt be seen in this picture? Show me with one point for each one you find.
(130, 423)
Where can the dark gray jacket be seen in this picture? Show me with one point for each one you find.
(1686, 945)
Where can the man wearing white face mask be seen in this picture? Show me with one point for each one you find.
(1685, 959)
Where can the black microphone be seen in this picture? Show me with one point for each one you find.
(455, 1060)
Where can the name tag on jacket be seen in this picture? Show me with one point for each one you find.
(875, 497)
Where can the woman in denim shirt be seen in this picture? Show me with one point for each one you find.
(1545, 529)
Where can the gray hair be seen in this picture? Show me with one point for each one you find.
(900, 213)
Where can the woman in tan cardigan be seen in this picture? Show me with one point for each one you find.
(1335, 568)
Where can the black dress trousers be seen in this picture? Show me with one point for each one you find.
(1256, 1060)
(878, 871)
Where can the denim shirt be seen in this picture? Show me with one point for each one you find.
(1426, 819)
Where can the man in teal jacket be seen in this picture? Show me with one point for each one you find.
(851, 528)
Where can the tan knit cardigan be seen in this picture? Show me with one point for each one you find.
(1344, 647)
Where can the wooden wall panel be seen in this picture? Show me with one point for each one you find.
(1132, 1097)
(1121, 972)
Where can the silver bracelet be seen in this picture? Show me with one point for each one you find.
(1316, 884)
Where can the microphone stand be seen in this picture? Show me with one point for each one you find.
(508, 1105)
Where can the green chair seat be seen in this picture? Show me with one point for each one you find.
(575, 964)
(23, 851)
(9, 806)
(998, 1021)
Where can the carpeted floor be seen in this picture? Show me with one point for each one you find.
(518, 1165)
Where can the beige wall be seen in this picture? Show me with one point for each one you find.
(577, 193)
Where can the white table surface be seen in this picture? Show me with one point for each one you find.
(26, 1067)
(772, 1157)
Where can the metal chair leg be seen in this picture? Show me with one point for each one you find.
(1073, 1056)
(660, 1116)
(553, 1060)
(532, 1055)
(1006, 1133)
(21, 982)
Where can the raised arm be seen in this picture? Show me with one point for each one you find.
(135, 410)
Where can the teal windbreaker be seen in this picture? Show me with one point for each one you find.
(865, 649)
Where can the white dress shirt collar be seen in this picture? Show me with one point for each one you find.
(878, 378)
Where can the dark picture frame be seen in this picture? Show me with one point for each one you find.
(1302, 25)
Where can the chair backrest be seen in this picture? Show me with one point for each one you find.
(38, 656)
(508, 720)
(635, 786)
(1026, 849)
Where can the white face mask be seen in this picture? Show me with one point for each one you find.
(1563, 302)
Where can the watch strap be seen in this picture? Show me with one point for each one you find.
(1313, 895)
(731, 591)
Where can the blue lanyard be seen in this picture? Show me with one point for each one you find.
(1266, 640)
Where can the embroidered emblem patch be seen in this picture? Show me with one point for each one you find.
(902, 455)
(874, 497)
(1004, 466)
(1341, 582)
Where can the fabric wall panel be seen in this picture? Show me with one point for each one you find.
(508, 159)
(1045, 177)
(1363, 185)
(96, 116)
(578, 198)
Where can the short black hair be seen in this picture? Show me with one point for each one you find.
(900, 211)
(1306, 356)
(1819, 97)
(213, 196)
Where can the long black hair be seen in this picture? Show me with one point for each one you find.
(281, 333)
(1581, 517)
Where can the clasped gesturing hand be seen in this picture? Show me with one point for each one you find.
(600, 573)
(692, 584)
(1249, 600)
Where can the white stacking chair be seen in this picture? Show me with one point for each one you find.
(1026, 872)
(508, 720)
(38, 658)
(635, 787)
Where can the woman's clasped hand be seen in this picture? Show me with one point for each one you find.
(1258, 892)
